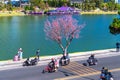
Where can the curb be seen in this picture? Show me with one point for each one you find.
(74, 57)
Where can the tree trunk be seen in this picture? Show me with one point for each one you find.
(65, 52)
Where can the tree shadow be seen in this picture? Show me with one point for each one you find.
(67, 73)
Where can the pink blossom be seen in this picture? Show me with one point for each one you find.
(63, 28)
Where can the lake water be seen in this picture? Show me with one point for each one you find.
(27, 32)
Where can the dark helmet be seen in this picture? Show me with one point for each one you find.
(28, 58)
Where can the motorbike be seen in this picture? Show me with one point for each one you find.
(65, 60)
(30, 62)
(92, 61)
(107, 79)
(50, 68)
(108, 76)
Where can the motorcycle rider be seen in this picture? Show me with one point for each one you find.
(105, 74)
(92, 56)
(34, 61)
(27, 62)
(92, 60)
(56, 64)
(52, 64)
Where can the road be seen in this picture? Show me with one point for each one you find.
(74, 71)
(112, 63)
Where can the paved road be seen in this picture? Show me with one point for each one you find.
(112, 63)
(76, 70)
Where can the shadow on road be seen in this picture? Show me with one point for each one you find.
(67, 73)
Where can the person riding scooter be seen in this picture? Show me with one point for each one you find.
(31, 62)
(51, 67)
(92, 60)
(65, 59)
(105, 74)
(27, 62)
(34, 61)
(52, 64)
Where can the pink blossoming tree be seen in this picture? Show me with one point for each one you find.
(63, 29)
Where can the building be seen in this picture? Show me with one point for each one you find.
(17, 3)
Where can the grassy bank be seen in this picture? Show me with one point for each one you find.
(18, 13)
(99, 12)
(11, 13)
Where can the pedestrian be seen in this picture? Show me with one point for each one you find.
(15, 57)
(117, 46)
(20, 54)
(38, 54)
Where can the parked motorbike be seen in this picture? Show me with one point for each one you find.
(30, 62)
(65, 60)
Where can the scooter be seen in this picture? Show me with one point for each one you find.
(65, 60)
(92, 61)
(30, 62)
(48, 69)
(108, 76)
(102, 78)
(51, 67)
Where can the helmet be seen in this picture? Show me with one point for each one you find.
(52, 59)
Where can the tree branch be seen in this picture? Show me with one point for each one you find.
(70, 38)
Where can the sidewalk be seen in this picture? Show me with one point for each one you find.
(10, 64)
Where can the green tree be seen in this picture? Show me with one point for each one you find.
(115, 26)
(42, 5)
(9, 6)
(111, 5)
(118, 6)
(34, 2)
(1, 6)
(119, 12)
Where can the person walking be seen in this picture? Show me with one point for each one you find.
(117, 46)
(38, 54)
(20, 54)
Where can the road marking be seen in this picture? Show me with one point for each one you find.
(78, 76)
(87, 74)
(79, 69)
(115, 70)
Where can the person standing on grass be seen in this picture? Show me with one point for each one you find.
(38, 54)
